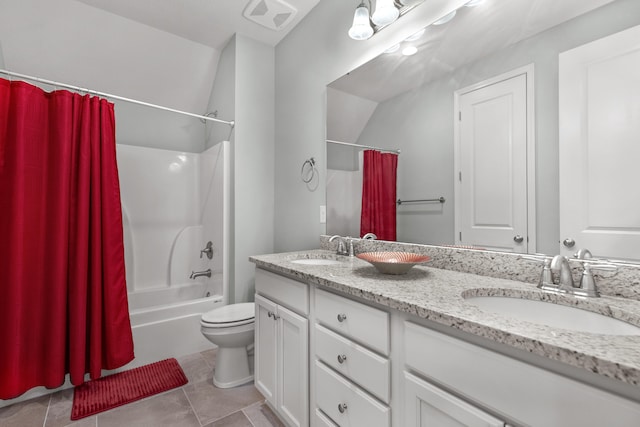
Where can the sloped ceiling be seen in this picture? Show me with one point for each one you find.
(209, 22)
(159, 51)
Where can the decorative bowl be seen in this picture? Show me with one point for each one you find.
(393, 262)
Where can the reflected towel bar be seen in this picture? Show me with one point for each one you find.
(441, 200)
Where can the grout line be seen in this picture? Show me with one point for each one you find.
(191, 405)
(46, 414)
(247, 416)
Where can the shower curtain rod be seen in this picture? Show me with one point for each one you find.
(363, 146)
(119, 98)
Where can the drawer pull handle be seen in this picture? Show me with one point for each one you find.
(270, 314)
(342, 358)
(342, 407)
(342, 317)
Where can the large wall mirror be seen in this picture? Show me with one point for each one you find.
(483, 114)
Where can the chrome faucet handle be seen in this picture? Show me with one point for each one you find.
(350, 251)
(208, 250)
(546, 277)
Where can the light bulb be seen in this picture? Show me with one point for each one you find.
(361, 28)
(386, 12)
(409, 50)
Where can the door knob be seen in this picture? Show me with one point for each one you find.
(518, 238)
(569, 242)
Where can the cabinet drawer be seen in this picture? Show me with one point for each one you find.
(353, 361)
(362, 323)
(346, 403)
(288, 292)
(322, 420)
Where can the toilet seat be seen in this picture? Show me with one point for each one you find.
(229, 316)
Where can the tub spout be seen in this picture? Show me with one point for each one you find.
(195, 274)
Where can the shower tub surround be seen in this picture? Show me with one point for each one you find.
(436, 291)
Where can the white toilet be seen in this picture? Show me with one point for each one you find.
(230, 328)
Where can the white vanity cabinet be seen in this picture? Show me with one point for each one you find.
(281, 346)
(524, 393)
(352, 368)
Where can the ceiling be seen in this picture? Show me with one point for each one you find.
(472, 34)
(209, 22)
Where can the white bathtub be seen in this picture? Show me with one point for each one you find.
(170, 330)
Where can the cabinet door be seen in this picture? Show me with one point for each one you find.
(293, 364)
(265, 349)
(427, 405)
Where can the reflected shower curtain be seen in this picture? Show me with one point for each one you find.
(63, 300)
(379, 195)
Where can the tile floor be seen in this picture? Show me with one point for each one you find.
(197, 404)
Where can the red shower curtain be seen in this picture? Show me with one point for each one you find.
(379, 195)
(63, 300)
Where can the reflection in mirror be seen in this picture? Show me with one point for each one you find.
(407, 103)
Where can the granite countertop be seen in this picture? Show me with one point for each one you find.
(439, 295)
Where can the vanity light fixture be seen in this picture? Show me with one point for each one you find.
(386, 12)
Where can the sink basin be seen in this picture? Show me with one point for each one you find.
(316, 261)
(554, 315)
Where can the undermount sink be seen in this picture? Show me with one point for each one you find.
(554, 315)
(316, 261)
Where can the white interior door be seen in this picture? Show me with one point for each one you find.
(600, 147)
(491, 164)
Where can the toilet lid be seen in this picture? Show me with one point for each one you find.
(230, 313)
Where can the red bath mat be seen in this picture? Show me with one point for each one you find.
(125, 387)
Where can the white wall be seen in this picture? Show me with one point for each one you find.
(314, 54)
(253, 161)
(173, 204)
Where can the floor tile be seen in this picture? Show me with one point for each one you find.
(170, 409)
(262, 416)
(196, 367)
(237, 419)
(30, 413)
(59, 414)
(211, 403)
(210, 356)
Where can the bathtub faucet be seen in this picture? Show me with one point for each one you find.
(195, 274)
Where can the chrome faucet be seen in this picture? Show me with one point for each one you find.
(345, 245)
(195, 274)
(562, 271)
(557, 277)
